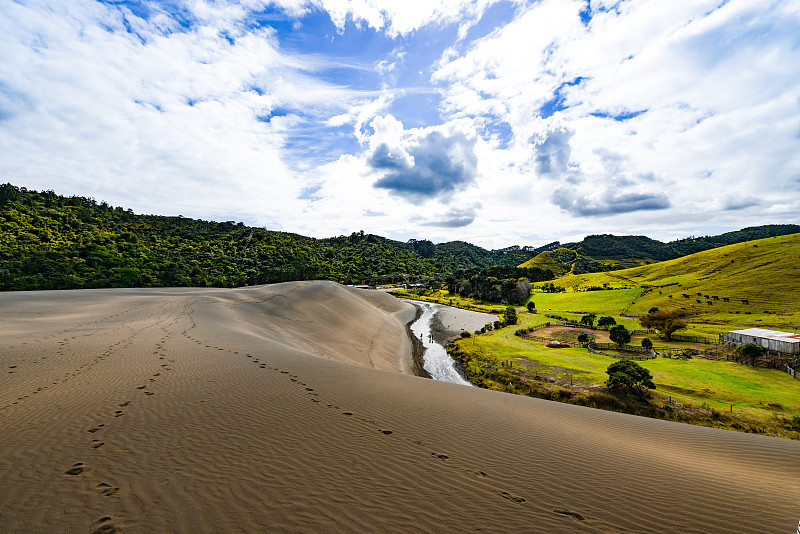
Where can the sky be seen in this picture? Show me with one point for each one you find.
(493, 122)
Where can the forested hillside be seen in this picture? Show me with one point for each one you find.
(48, 241)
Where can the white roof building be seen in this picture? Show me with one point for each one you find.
(773, 340)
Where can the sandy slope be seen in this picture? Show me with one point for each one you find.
(259, 410)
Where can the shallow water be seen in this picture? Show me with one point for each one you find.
(436, 360)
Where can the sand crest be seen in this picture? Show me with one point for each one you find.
(292, 408)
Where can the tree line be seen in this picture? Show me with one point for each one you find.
(50, 241)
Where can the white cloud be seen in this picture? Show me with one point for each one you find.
(653, 115)
(711, 90)
(401, 18)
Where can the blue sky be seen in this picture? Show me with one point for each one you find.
(495, 122)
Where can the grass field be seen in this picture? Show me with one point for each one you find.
(762, 398)
(754, 284)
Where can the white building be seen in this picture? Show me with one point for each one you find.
(773, 340)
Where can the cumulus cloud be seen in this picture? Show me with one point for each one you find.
(422, 165)
(454, 218)
(608, 203)
(647, 95)
(552, 152)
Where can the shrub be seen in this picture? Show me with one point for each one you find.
(627, 374)
(465, 334)
(510, 316)
(583, 337)
(646, 343)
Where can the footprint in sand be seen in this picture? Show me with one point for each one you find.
(76, 469)
(105, 526)
(574, 515)
(106, 489)
(387, 432)
(512, 498)
(440, 456)
(96, 443)
(119, 413)
(95, 429)
(125, 404)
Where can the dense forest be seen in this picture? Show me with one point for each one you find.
(48, 241)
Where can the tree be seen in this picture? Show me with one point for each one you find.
(583, 337)
(665, 322)
(627, 374)
(750, 351)
(588, 319)
(606, 321)
(653, 309)
(646, 343)
(531, 307)
(510, 316)
(620, 335)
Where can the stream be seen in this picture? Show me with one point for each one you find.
(437, 362)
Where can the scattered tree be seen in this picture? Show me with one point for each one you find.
(665, 322)
(588, 319)
(620, 335)
(606, 321)
(498, 325)
(627, 374)
(531, 307)
(510, 316)
(647, 344)
(583, 337)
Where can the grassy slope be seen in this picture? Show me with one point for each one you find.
(765, 272)
(558, 261)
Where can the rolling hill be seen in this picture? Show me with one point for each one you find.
(618, 252)
(759, 279)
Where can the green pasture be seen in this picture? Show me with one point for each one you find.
(752, 284)
(717, 384)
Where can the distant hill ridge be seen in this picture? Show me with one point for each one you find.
(604, 252)
(49, 241)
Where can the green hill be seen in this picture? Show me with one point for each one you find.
(755, 283)
(563, 261)
(49, 241)
(618, 252)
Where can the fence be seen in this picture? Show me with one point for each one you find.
(695, 339)
(792, 372)
(645, 354)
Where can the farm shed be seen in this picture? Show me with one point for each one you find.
(773, 340)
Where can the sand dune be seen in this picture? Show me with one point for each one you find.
(292, 408)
